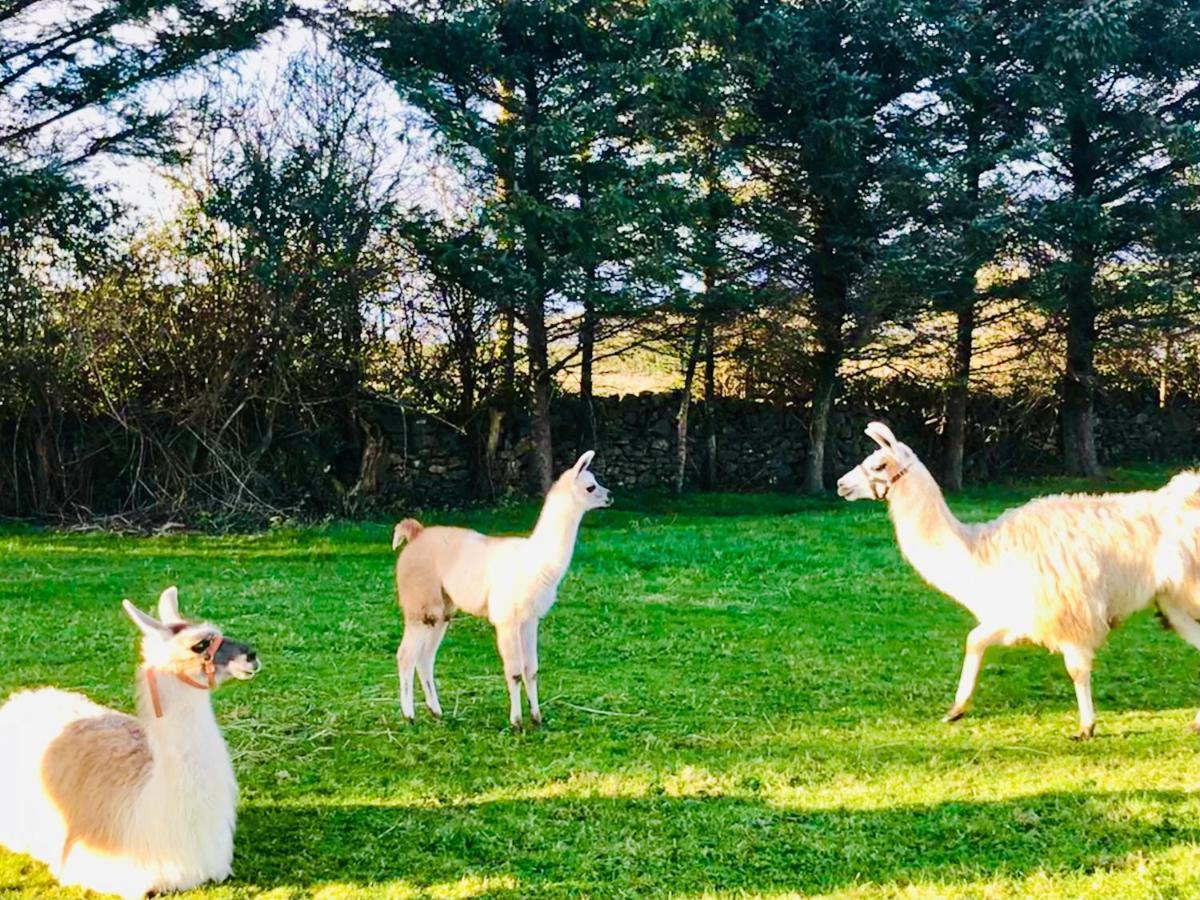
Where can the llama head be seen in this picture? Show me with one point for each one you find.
(580, 485)
(172, 644)
(873, 478)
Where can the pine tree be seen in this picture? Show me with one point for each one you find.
(831, 75)
(513, 91)
(1115, 104)
(966, 126)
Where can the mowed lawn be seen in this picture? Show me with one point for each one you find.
(743, 697)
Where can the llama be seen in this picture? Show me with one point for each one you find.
(122, 804)
(1059, 572)
(510, 581)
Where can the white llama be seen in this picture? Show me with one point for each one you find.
(127, 805)
(1059, 571)
(510, 581)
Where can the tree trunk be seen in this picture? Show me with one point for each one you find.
(532, 183)
(508, 356)
(955, 435)
(505, 192)
(539, 407)
(1078, 390)
(828, 362)
(710, 425)
(1078, 418)
(479, 463)
(1164, 372)
(956, 400)
(681, 422)
(831, 285)
(587, 353)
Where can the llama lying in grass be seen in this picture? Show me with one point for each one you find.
(127, 805)
(1059, 571)
(510, 581)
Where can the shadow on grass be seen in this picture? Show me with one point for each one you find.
(664, 844)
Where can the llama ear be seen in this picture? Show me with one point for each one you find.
(168, 606)
(882, 435)
(148, 625)
(582, 462)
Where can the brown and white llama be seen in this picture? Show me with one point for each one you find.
(124, 804)
(1060, 571)
(510, 581)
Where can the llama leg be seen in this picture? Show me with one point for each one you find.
(407, 655)
(1187, 628)
(980, 638)
(429, 649)
(1079, 667)
(529, 636)
(508, 641)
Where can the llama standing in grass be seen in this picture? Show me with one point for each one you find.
(510, 581)
(1059, 571)
(127, 805)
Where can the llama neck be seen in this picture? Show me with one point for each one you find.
(187, 723)
(187, 809)
(553, 536)
(930, 537)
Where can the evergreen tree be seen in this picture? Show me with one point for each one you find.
(1115, 103)
(58, 60)
(513, 91)
(694, 113)
(966, 125)
(825, 152)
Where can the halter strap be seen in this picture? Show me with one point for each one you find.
(887, 487)
(210, 675)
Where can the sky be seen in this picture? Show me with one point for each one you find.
(142, 185)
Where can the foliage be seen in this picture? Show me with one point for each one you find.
(830, 88)
(1116, 111)
(532, 100)
(484, 201)
(225, 352)
(59, 60)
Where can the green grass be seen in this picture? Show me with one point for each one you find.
(742, 694)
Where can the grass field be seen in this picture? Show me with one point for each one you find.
(742, 695)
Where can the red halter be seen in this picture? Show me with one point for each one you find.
(886, 485)
(210, 674)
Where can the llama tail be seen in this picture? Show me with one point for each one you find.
(406, 530)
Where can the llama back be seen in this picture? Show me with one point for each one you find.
(446, 563)
(1085, 560)
(30, 721)
(1177, 558)
(1184, 489)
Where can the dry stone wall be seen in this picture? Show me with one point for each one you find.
(762, 446)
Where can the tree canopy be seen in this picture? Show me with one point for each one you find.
(479, 208)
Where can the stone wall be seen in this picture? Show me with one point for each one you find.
(762, 446)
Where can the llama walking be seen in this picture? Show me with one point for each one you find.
(1059, 571)
(122, 804)
(510, 581)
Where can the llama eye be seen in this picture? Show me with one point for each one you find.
(590, 488)
(881, 467)
(202, 646)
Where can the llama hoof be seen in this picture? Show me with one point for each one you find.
(516, 724)
(436, 713)
(410, 720)
(535, 721)
(955, 713)
(1085, 734)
